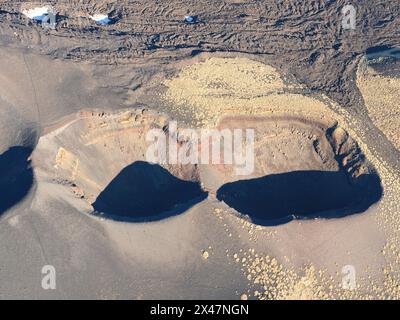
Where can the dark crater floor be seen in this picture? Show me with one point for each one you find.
(144, 191)
(16, 176)
(277, 198)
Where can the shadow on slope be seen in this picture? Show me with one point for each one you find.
(16, 176)
(145, 192)
(278, 198)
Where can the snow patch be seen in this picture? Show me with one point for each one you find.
(102, 19)
(38, 13)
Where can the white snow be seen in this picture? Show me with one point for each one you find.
(101, 18)
(38, 13)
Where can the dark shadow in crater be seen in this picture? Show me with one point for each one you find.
(146, 192)
(389, 66)
(279, 198)
(16, 176)
(383, 51)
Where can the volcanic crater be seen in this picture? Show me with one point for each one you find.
(303, 168)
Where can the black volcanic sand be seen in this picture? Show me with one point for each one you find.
(144, 191)
(276, 198)
(16, 176)
(305, 36)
